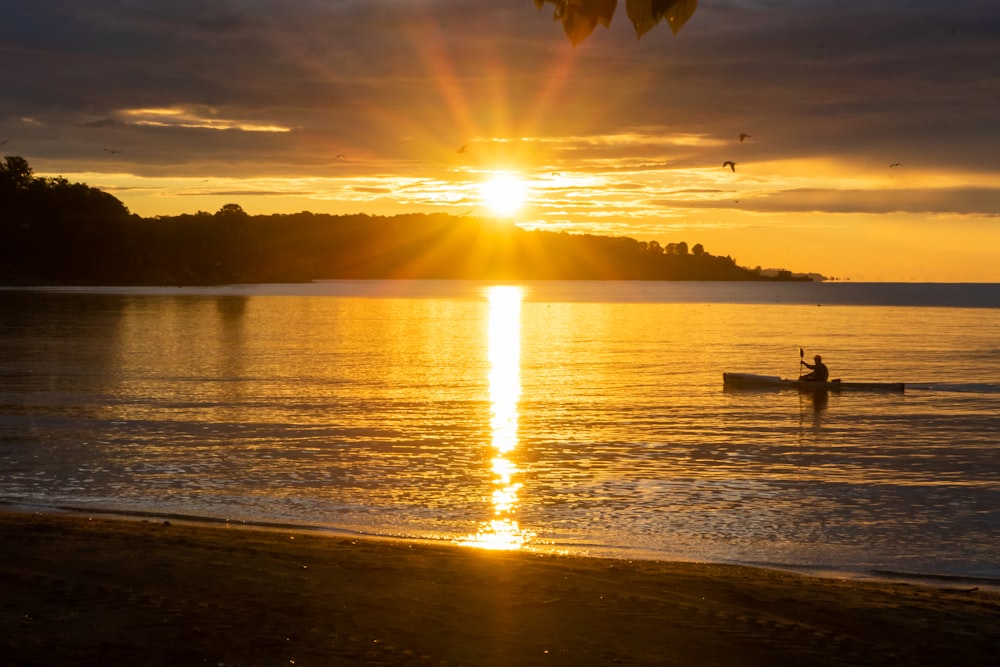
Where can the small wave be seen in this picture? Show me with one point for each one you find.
(963, 388)
(969, 583)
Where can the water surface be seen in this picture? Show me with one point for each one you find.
(580, 417)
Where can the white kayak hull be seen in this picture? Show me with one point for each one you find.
(753, 381)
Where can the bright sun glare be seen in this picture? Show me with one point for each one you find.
(504, 194)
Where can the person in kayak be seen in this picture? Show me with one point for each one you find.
(820, 373)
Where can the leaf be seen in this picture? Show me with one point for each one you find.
(580, 17)
(645, 14)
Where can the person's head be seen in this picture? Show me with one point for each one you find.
(817, 358)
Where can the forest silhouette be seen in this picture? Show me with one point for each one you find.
(56, 232)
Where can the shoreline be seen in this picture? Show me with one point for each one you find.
(820, 572)
(83, 590)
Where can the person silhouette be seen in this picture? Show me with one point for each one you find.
(820, 373)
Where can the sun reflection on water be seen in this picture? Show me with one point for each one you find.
(503, 531)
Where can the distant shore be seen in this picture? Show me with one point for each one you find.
(87, 591)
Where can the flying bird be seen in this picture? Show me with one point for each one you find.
(3, 142)
(895, 164)
(730, 164)
(108, 150)
(461, 149)
(340, 155)
(744, 135)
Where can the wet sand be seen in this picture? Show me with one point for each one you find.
(80, 591)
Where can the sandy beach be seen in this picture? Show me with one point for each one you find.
(78, 590)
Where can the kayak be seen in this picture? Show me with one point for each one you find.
(752, 381)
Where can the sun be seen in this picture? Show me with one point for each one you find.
(504, 194)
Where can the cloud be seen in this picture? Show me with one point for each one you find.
(186, 117)
(975, 201)
(968, 201)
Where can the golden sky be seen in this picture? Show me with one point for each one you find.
(873, 147)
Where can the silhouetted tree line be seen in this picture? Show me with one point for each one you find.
(56, 232)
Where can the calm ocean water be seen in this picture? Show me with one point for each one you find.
(584, 417)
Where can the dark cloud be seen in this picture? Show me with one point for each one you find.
(975, 201)
(817, 78)
(759, 63)
(103, 123)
